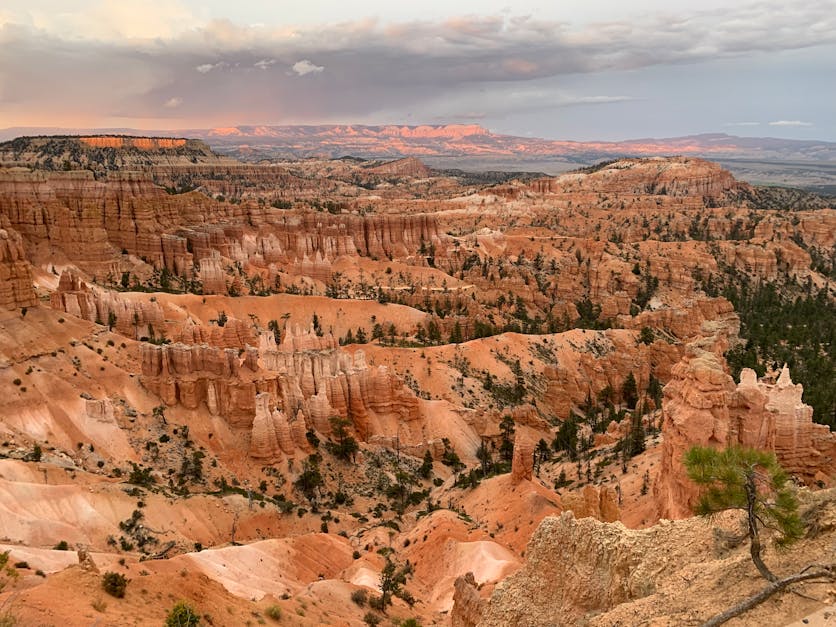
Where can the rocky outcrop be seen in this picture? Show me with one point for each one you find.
(702, 406)
(201, 374)
(410, 166)
(602, 359)
(468, 606)
(75, 216)
(131, 317)
(322, 380)
(599, 502)
(308, 379)
(15, 273)
(577, 567)
(331, 236)
(234, 333)
(273, 437)
(695, 318)
(522, 463)
(109, 224)
(669, 176)
(212, 274)
(773, 417)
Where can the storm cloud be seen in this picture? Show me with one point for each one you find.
(221, 72)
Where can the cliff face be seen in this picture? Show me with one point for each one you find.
(279, 392)
(90, 221)
(15, 273)
(601, 361)
(95, 223)
(702, 406)
(273, 436)
(133, 318)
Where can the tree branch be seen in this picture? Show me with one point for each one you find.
(827, 573)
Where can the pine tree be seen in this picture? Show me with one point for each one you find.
(629, 391)
(752, 481)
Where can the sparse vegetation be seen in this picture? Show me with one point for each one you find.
(273, 612)
(114, 584)
(182, 615)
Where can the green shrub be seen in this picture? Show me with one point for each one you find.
(62, 546)
(114, 584)
(182, 615)
(371, 619)
(360, 597)
(274, 612)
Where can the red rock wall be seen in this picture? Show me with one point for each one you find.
(15, 273)
(702, 406)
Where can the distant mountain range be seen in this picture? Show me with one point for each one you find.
(462, 140)
(765, 160)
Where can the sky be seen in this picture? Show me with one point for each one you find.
(564, 69)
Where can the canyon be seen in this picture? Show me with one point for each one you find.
(257, 386)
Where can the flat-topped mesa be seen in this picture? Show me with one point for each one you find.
(447, 131)
(106, 152)
(702, 406)
(142, 143)
(16, 288)
(670, 176)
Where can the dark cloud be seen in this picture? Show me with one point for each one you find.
(478, 66)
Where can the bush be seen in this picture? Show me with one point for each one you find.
(274, 612)
(114, 584)
(360, 597)
(62, 546)
(371, 619)
(182, 615)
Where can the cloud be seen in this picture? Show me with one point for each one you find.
(306, 67)
(173, 103)
(263, 64)
(790, 123)
(205, 68)
(488, 64)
